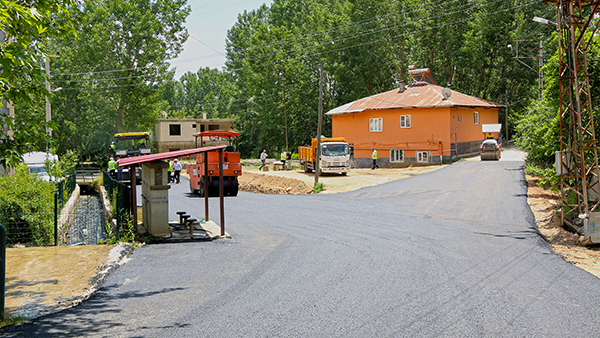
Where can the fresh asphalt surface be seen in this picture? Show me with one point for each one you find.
(450, 253)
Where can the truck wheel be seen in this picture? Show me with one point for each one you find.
(192, 190)
(201, 190)
(344, 173)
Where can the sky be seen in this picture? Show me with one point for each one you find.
(207, 25)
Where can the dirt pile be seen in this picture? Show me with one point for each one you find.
(545, 206)
(268, 184)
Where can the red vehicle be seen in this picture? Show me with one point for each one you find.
(232, 168)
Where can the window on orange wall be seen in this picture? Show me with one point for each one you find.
(459, 118)
(423, 156)
(396, 155)
(404, 121)
(476, 117)
(376, 125)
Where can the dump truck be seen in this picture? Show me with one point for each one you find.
(335, 156)
(232, 167)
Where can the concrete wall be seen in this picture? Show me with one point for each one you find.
(163, 140)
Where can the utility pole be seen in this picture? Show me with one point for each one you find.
(284, 110)
(319, 126)
(577, 162)
(48, 90)
(540, 56)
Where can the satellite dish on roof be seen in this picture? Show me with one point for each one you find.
(447, 93)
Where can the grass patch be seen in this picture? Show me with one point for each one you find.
(318, 187)
(11, 320)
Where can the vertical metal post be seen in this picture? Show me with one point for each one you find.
(221, 192)
(319, 126)
(205, 186)
(48, 107)
(56, 217)
(133, 196)
(2, 269)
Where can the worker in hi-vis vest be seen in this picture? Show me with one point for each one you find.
(112, 166)
(374, 158)
(283, 157)
(169, 171)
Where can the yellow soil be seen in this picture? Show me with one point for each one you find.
(544, 205)
(280, 182)
(42, 279)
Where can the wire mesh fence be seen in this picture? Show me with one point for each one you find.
(118, 194)
(53, 221)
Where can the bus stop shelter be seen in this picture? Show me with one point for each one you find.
(133, 161)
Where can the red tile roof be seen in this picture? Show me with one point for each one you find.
(419, 95)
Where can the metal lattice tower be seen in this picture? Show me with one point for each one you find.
(580, 189)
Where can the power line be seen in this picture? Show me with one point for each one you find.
(376, 41)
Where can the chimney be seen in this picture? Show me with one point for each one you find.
(402, 87)
(204, 115)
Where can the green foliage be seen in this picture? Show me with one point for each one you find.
(274, 54)
(65, 166)
(548, 175)
(28, 27)
(9, 319)
(127, 234)
(112, 73)
(27, 208)
(538, 133)
(319, 186)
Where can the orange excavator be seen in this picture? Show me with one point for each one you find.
(232, 167)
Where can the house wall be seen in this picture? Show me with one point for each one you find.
(466, 136)
(433, 130)
(165, 140)
(428, 132)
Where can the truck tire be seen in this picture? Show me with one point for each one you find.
(306, 168)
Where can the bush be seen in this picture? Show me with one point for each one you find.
(27, 208)
(548, 175)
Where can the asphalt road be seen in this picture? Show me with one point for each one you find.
(450, 253)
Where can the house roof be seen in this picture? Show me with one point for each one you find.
(418, 95)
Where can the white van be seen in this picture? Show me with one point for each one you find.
(36, 161)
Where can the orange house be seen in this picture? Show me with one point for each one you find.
(419, 124)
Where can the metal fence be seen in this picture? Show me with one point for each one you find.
(37, 226)
(64, 189)
(119, 196)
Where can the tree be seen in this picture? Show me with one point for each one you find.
(26, 28)
(113, 74)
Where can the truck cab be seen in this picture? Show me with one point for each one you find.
(335, 156)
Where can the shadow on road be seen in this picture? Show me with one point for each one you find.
(85, 319)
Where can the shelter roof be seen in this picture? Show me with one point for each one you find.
(162, 156)
(418, 95)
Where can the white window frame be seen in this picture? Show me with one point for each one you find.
(376, 125)
(423, 156)
(476, 117)
(405, 121)
(396, 155)
(459, 118)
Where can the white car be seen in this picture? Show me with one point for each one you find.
(36, 162)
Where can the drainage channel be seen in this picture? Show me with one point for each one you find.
(88, 224)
